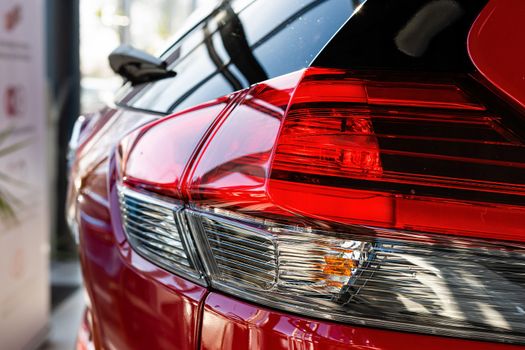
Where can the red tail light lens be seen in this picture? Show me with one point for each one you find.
(400, 154)
(157, 155)
(418, 153)
(343, 195)
(234, 166)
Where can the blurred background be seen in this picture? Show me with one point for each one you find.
(54, 67)
(105, 24)
(81, 34)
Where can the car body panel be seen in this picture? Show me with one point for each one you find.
(496, 50)
(136, 305)
(229, 323)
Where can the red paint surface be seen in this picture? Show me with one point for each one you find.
(232, 324)
(136, 305)
(496, 47)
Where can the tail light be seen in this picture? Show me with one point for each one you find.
(392, 202)
(152, 229)
(400, 280)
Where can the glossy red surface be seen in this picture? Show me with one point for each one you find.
(160, 152)
(496, 47)
(232, 324)
(234, 164)
(136, 304)
(392, 157)
(355, 148)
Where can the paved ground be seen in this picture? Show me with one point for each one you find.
(64, 323)
(68, 304)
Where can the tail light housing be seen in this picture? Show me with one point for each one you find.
(153, 229)
(348, 196)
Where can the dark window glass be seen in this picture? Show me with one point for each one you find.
(214, 87)
(425, 35)
(304, 35)
(240, 44)
(161, 95)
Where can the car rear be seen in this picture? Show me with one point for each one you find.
(318, 174)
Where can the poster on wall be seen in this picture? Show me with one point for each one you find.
(24, 248)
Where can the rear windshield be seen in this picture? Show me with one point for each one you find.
(241, 43)
(422, 35)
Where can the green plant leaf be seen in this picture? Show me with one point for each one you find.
(6, 210)
(7, 200)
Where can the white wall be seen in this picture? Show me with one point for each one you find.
(24, 247)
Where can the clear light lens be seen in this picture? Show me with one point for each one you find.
(155, 228)
(408, 281)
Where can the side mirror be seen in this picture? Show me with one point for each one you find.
(138, 66)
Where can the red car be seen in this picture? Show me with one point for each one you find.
(309, 174)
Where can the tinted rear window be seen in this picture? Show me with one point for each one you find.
(242, 43)
(424, 35)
